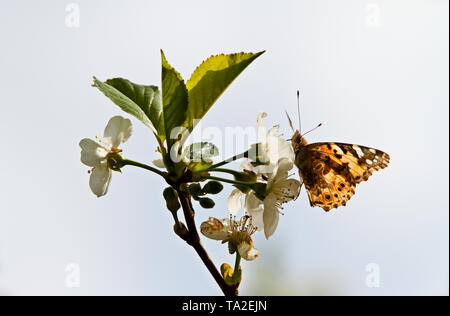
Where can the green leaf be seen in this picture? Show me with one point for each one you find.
(174, 99)
(210, 80)
(143, 102)
(201, 151)
(199, 166)
(148, 98)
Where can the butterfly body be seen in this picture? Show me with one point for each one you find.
(330, 171)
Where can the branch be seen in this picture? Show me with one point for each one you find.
(194, 240)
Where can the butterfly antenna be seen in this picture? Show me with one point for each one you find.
(298, 112)
(320, 124)
(290, 121)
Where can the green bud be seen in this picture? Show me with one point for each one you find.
(181, 230)
(195, 189)
(206, 203)
(170, 194)
(213, 187)
(231, 278)
(171, 197)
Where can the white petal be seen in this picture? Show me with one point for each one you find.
(271, 215)
(281, 171)
(260, 127)
(285, 150)
(159, 163)
(117, 131)
(247, 251)
(286, 190)
(215, 229)
(252, 203)
(272, 144)
(92, 153)
(256, 217)
(246, 165)
(100, 179)
(234, 201)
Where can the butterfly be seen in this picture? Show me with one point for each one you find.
(330, 171)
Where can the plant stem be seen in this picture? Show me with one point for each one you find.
(175, 218)
(144, 166)
(247, 184)
(219, 164)
(233, 172)
(194, 241)
(236, 263)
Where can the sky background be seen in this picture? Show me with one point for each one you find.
(374, 73)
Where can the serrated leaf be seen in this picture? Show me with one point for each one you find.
(139, 101)
(201, 151)
(174, 100)
(211, 79)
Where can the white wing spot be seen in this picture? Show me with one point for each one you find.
(373, 151)
(369, 161)
(358, 150)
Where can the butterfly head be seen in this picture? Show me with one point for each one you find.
(298, 141)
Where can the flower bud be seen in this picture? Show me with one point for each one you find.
(171, 197)
(206, 203)
(231, 278)
(195, 189)
(181, 230)
(212, 187)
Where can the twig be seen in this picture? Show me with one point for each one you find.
(194, 241)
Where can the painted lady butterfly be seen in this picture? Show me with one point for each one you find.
(331, 171)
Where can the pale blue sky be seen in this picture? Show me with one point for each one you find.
(374, 72)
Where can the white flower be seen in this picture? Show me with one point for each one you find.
(279, 159)
(94, 155)
(280, 189)
(270, 149)
(237, 233)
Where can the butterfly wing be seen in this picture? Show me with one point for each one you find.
(330, 171)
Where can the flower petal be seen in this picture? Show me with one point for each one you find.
(159, 163)
(247, 251)
(281, 170)
(100, 179)
(234, 201)
(260, 127)
(285, 150)
(272, 141)
(252, 203)
(215, 229)
(253, 208)
(271, 215)
(117, 131)
(286, 190)
(92, 153)
(256, 218)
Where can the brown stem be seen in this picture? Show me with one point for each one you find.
(194, 240)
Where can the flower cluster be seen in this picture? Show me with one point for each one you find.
(278, 159)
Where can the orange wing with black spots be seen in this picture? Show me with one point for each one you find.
(362, 161)
(330, 171)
